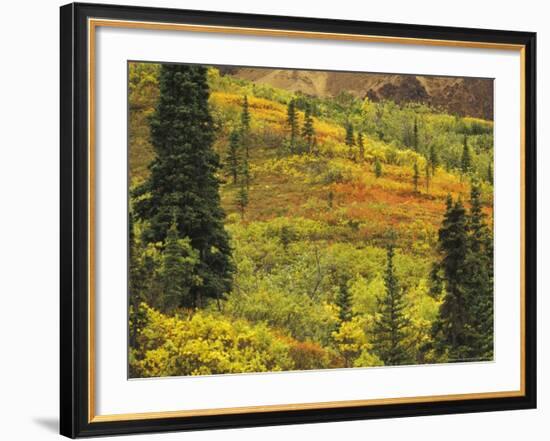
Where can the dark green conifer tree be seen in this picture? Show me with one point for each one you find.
(245, 115)
(479, 283)
(391, 321)
(450, 329)
(308, 131)
(182, 187)
(466, 161)
(245, 141)
(232, 160)
(292, 121)
(344, 302)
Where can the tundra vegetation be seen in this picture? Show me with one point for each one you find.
(271, 230)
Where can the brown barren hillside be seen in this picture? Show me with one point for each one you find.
(462, 96)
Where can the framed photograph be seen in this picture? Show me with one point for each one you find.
(273, 220)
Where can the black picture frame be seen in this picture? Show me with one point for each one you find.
(74, 354)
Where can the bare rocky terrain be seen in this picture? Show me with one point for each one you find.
(462, 96)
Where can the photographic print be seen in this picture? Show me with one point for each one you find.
(271, 220)
(288, 220)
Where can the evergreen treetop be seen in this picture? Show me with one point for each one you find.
(480, 280)
(245, 127)
(245, 116)
(292, 120)
(344, 302)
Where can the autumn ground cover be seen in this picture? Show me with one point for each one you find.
(323, 234)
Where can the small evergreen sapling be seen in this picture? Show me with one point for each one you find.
(232, 160)
(344, 302)
(391, 322)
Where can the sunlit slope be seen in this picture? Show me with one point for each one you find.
(330, 187)
(334, 187)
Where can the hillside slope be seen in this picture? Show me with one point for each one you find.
(311, 237)
(462, 96)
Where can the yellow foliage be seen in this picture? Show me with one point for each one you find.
(352, 343)
(204, 344)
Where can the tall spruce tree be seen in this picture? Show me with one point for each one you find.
(245, 141)
(232, 159)
(182, 187)
(450, 329)
(479, 283)
(391, 322)
(292, 121)
(308, 131)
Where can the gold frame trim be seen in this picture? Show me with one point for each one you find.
(92, 25)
